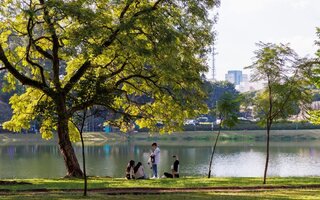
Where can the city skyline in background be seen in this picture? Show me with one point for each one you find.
(242, 24)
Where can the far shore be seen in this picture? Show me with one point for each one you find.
(291, 137)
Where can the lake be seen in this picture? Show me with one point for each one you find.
(232, 158)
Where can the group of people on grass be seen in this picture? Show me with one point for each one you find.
(137, 171)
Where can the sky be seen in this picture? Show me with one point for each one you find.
(243, 23)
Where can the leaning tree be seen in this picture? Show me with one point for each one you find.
(75, 54)
(226, 111)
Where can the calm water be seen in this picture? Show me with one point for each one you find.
(231, 159)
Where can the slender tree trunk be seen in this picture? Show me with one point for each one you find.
(213, 151)
(65, 145)
(269, 123)
(83, 155)
(267, 157)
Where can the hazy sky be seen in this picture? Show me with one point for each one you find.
(242, 23)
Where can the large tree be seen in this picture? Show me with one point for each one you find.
(286, 86)
(73, 54)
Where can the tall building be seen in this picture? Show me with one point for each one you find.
(234, 76)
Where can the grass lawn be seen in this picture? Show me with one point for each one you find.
(157, 183)
(298, 194)
(59, 184)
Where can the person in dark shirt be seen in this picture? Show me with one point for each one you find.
(174, 169)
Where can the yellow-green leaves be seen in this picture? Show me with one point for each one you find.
(314, 116)
(74, 134)
(4, 34)
(145, 60)
(23, 107)
(46, 129)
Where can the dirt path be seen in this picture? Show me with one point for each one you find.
(119, 191)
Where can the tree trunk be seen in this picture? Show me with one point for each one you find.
(66, 149)
(214, 148)
(85, 189)
(267, 157)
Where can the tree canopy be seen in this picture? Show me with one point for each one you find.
(105, 53)
(71, 55)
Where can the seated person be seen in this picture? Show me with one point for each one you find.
(130, 170)
(139, 171)
(174, 169)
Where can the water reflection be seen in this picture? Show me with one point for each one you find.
(231, 159)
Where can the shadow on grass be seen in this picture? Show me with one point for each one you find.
(278, 195)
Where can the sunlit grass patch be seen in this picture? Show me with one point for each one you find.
(189, 182)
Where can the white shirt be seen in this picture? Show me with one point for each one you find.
(139, 173)
(156, 154)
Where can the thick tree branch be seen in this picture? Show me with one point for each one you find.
(80, 106)
(22, 78)
(114, 34)
(147, 10)
(113, 73)
(35, 64)
(111, 38)
(42, 37)
(42, 52)
(55, 47)
(149, 78)
(136, 88)
(125, 9)
(30, 28)
(109, 63)
(76, 77)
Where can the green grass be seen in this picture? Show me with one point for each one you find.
(277, 194)
(156, 183)
(58, 184)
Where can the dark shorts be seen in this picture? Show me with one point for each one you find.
(168, 175)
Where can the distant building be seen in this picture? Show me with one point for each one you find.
(242, 82)
(234, 76)
(245, 78)
(249, 86)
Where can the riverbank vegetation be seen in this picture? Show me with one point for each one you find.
(240, 135)
(192, 137)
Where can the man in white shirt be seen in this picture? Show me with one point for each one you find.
(155, 159)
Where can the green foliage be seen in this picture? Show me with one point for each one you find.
(23, 107)
(315, 114)
(284, 73)
(216, 89)
(318, 42)
(105, 53)
(227, 109)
